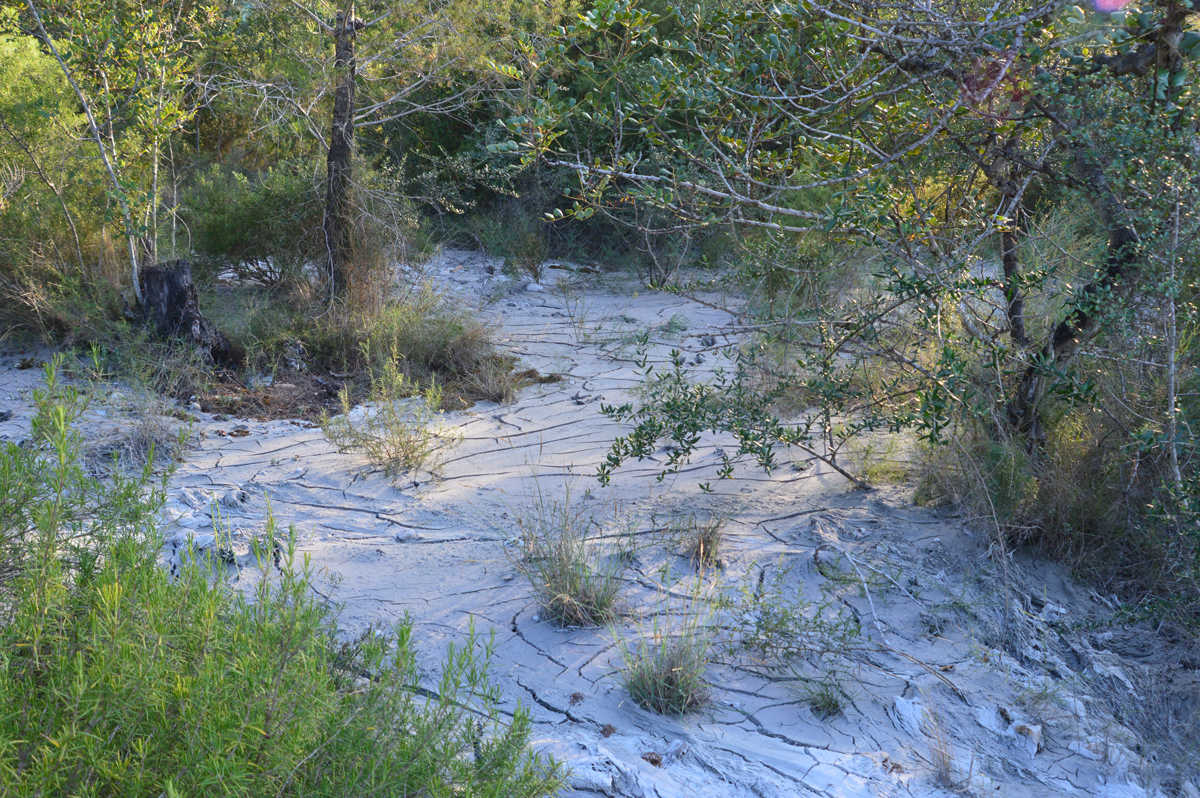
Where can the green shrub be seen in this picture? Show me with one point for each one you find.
(513, 232)
(264, 227)
(117, 680)
(430, 337)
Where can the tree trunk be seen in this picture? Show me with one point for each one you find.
(169, 303)
(338, 240)
(1083, 316)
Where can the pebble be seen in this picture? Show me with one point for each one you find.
(234, 497)
(676, 749)
(1032, 734)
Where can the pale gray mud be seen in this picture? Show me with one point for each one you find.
(944, 692)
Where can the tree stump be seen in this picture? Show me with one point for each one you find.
(169, 303)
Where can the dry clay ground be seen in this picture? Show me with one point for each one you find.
(938, 695)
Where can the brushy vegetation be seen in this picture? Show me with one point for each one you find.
(116, 679)
(398, 429)
(988, 241)
(575, 580)
(980, 268)
(779, 627)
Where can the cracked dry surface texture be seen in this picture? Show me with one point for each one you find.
(940, 695)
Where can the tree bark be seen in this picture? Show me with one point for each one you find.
(338, 239)
(1085, 311)
(169, 304)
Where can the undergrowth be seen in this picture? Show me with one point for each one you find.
(117, 679)
(574, 584)
(399, 427)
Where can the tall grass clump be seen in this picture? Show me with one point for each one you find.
(664, 671)
(575, 584)
(118, 680)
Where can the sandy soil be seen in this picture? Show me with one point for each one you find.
(941, 694)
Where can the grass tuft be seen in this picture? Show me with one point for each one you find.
(703, 542)
(664, 673)
(573, 585)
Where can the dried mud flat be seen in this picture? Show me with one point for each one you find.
(942, 691)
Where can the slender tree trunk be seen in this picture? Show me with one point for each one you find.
(118, 191)
(1013, 294)
(1172, 363)
(1084, 314)
(338, 240)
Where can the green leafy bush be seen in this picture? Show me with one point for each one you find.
(265, 227)
(116, 679)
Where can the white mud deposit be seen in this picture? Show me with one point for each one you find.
(939, 700)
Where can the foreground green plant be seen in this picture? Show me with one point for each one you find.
(116, 679)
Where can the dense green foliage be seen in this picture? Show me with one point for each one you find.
(117, 679)
(975, 225)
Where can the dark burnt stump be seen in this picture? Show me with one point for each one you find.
(169, 303)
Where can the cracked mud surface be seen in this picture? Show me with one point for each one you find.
(931, 683)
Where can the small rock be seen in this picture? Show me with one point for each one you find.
(234, 497)
(195, 498)
(909, 713)
(1032, 734)
(608, 730)
(194, 406)
(1085, 751)
(676, 749)
(654, 758)
(708, 340)
(591, 780)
